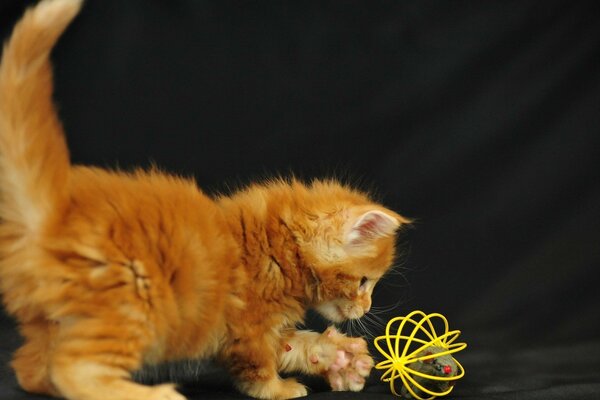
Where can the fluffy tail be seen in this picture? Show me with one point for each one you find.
(34, 160)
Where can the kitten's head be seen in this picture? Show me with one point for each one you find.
(348, 242)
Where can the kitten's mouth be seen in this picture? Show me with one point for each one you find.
(332, 312)
(336, 314)
(341, 313)
(349, 315)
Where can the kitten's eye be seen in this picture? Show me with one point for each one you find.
(363, 281)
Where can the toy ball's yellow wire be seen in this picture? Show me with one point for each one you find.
(406, 348)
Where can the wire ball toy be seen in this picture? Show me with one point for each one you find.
(419, 356)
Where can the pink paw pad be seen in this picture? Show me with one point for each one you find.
(336, 382)
(354, 377)
(342, 359)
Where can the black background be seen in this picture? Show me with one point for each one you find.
(478, 119)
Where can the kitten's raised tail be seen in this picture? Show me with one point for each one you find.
(34, 160)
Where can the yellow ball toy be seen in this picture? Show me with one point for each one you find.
(419, 356)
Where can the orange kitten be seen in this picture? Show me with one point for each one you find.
(107, 271)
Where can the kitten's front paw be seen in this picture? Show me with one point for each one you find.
(165, 392)
(293, 389)
(344, 361)
(275, 389)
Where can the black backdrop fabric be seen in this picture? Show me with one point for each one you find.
(478, 119)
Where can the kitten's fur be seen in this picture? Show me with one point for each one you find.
(106, 271)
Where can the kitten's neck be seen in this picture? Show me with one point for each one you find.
(263, 226)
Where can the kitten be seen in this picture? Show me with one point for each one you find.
(107, 271)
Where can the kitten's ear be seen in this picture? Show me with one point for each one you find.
(371, 225)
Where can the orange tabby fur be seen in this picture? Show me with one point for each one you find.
(106, 271)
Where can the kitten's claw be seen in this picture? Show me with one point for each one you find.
(344, 361)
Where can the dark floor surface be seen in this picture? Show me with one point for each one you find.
(568, 372)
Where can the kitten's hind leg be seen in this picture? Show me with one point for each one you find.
(93, 359)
